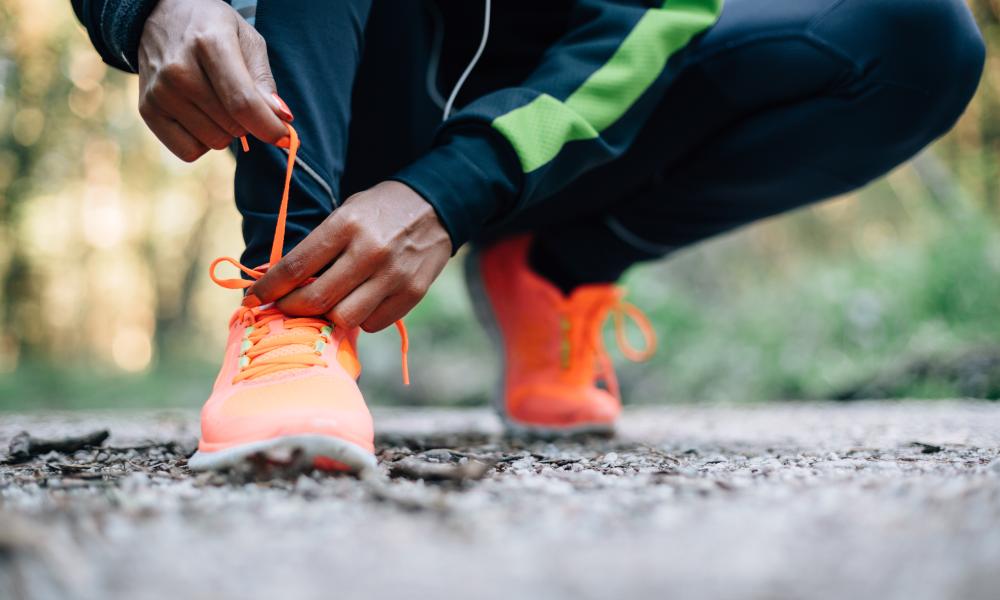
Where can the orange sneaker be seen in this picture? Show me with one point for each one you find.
(287, 387)
(286, 384)
(557, 377)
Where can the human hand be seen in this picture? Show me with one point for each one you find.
(204, 79)
(387, 247)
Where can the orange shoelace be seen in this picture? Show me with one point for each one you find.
(619, 311)
(256, 358)
(591, 340)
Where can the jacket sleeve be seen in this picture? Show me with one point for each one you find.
(582, 107)
(114, 27)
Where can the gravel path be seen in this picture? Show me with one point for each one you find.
(863, 500)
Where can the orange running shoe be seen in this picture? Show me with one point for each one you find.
(286, 384)
(287, 387)
(557, 377)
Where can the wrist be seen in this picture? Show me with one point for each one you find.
(421, 214)
(121, 27)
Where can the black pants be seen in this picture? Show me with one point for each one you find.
(781, 104)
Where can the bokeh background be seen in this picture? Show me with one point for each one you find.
(105, 239)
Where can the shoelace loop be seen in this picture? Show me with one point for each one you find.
(620, 310)
(315, 332)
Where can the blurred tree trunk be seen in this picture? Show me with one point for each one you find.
(173, 318)
(17, 285)
(988, 15)
(944, 188)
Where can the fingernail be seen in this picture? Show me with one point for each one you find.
(251, 301)
(283, 108)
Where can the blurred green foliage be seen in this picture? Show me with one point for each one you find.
(104, 239)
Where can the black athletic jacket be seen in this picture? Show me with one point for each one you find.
(582, 106)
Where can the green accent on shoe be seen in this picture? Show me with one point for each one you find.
(565, 345)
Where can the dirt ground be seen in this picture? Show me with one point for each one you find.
(798, 501)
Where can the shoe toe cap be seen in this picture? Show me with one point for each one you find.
(555, 406)
(321, 404)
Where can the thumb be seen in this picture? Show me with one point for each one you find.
(254, 50)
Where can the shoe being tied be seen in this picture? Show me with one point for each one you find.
(287, 389)
(286, 385)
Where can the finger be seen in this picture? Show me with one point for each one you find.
(222, 59)
(313, 253)
(346, 274)
(209, 103)
(177, 139)
(353, 310)
(186, 85)
(254, 50)
(199, 125)
(391, 310)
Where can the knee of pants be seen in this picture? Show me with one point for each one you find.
(932, 48)
(918, 61)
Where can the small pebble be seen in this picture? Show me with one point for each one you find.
(306, 485)
(437, 454)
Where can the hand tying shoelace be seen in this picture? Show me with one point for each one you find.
(305, 337)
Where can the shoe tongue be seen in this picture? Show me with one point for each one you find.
(589, 306)
(592, 302)
(591, 294)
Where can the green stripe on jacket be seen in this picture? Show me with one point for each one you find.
(539, 130)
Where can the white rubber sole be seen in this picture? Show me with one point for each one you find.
(281, 449)
(483, 310)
